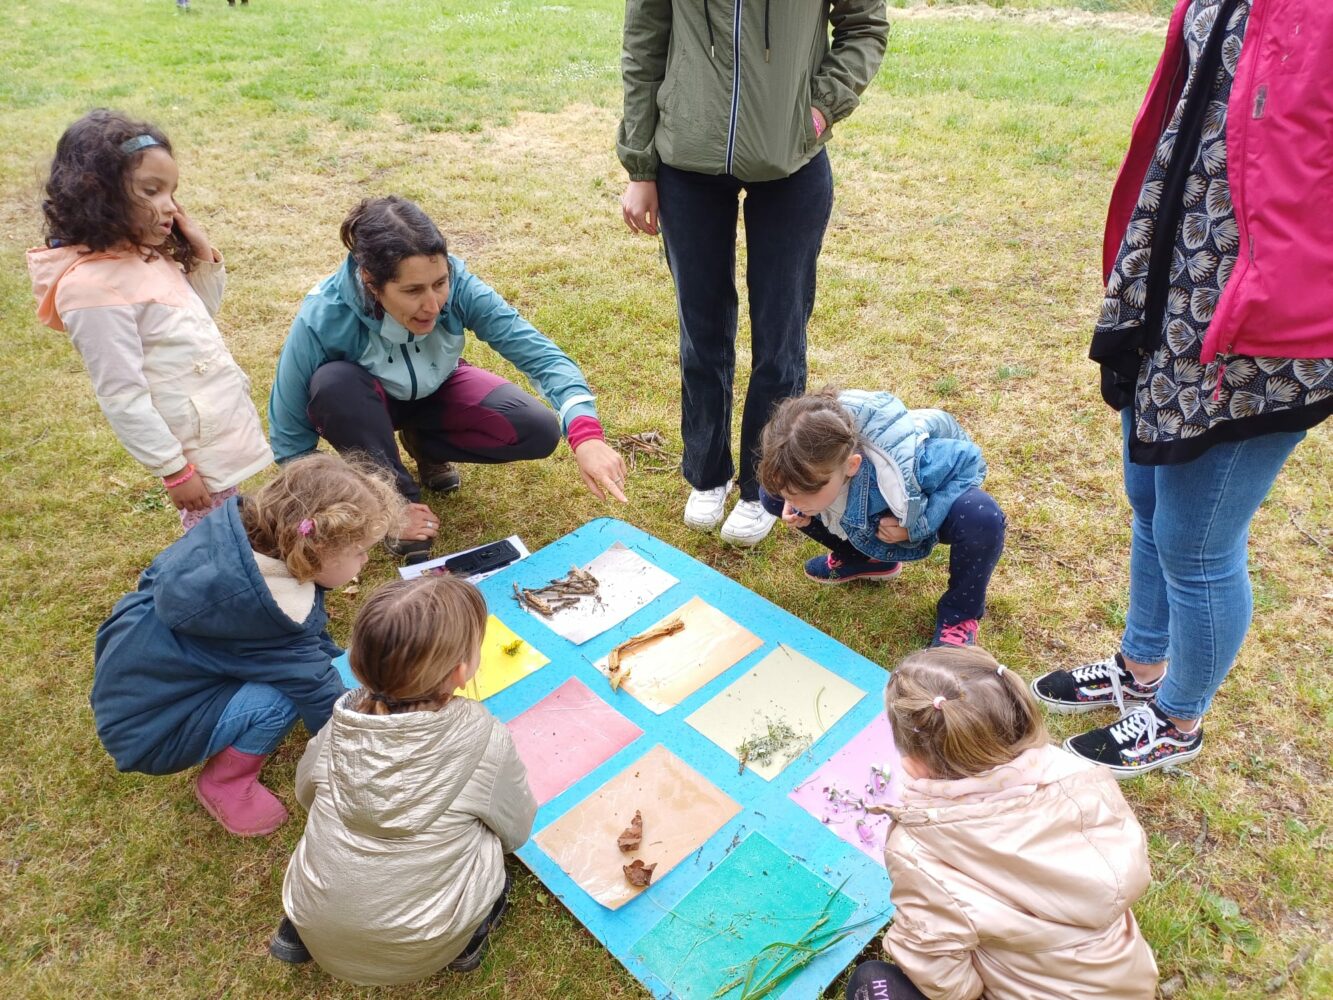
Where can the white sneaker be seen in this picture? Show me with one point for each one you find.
(704, 508)
(747, 524)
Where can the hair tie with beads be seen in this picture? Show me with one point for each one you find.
(938, 702)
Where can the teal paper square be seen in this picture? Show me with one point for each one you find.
(758, 895)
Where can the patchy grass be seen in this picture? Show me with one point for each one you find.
(960, 269)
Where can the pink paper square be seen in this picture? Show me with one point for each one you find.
(567, 734)
(837, 793)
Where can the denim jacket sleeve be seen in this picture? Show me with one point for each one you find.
(946, 469)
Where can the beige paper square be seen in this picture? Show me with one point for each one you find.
(681, 809)
(669, 669)
(785, 690)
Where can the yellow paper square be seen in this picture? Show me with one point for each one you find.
(499, 669)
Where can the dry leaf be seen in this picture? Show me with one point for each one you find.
(614, 670)
(629, 840)
(637, 873)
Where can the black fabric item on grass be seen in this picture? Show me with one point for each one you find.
(881, 981)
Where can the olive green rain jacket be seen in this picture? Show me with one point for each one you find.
(726, 86)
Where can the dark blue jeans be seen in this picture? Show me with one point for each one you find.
(974, 531)
(784, 228)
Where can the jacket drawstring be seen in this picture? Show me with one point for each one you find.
(708, 21)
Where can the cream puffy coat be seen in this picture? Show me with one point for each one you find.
(161, 371)
(1017, 884)
(410, 817)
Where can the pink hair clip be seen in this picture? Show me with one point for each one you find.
(306, 528)
(938, 702)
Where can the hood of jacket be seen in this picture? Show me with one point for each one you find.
(47, 266)
(394, 776)
(209, 585)
(1047, 835)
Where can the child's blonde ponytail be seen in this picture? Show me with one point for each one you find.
(959, 713)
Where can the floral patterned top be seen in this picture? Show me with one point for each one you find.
(1180, 404)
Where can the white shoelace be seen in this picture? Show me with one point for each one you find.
(1108, 669)
(1131, 729)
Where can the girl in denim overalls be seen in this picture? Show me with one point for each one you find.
(879, 485)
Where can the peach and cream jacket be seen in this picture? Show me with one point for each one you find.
(1017, 885)
(162, 374)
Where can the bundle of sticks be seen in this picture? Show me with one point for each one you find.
(651, 445)
(558, 594)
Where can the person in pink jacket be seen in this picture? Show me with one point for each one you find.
(135, 283)
(1215, 342)
(1014, 864)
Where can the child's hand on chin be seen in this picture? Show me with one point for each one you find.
(792, 516)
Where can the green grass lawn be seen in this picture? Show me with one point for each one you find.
(960, 270)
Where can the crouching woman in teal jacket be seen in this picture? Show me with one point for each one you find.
(377, 347)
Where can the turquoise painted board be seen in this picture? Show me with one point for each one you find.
(721, 934)
(765, 805)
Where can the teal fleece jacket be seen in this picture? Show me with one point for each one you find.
(334, 324)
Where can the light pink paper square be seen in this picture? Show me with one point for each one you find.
(566, 735)
(837, 793)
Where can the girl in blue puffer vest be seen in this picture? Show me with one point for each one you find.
(880, 485)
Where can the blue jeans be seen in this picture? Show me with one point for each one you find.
(785, 221)
(254, 721)
(1189, 581)
(974, 531)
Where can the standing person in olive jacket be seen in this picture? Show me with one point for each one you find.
(723, 97)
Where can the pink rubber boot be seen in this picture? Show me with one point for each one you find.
(229, 788)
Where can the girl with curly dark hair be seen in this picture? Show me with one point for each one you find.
(135, 282)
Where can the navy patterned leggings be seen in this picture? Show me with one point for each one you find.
(974, 532)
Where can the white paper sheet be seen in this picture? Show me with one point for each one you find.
(626, 581)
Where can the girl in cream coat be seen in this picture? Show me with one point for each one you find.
(414, 798)
(1014, 864)
(136, 284)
